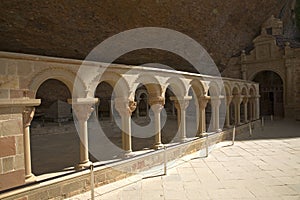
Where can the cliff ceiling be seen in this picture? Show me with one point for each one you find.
(71, 29)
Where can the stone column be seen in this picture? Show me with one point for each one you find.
(237, 100)
(28, 114)
(125, 108)
(245, 103)
(243, 65)
(157, 104)
(111, 110)
(257, 112)
(202, 101)
(181, 104)
(82, 108)
(227, 119)
(251, 108)
(215, 105)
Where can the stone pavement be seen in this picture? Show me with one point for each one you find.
(264, 166)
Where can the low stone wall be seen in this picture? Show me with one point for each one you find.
(72, 184)
(11, 150)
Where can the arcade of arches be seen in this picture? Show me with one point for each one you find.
(137, 112)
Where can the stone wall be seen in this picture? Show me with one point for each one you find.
(12, 152)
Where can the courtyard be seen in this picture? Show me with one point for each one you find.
(265, 165)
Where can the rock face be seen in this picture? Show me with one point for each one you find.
(72, 29)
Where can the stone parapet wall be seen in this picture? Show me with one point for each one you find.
(12, 152)
(12, 142)
(79, 182)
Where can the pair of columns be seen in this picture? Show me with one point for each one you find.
(182, 103)
(125, 109)
(215, 108)
(237, 101)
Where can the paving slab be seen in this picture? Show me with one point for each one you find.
(263, 166)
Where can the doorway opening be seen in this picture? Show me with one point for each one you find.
(271, 93)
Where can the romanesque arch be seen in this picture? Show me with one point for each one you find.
(62, 74)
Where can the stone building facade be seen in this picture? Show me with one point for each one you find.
(274, 62)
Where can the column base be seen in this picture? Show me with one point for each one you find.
(201, 135)
(158, 146)
(127, 154)
(83, 165)
(228, 126)
(183, 139)
(219, 130)
(30, 178)
(179, 140)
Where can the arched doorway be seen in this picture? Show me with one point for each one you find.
(271, 93)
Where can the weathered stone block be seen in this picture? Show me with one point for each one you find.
(24, 68)
(3, 67)
(9, 82)
(4, 93)
(8, 146)
(1, 166)
(19, 162)
(22, 198)
(100, 178)
(41, 195)
(12, 68)
(16, 94)
(19, 144)
(74, 186)
(8, 164)
(54, 192)
(10, 127)
(12, 179)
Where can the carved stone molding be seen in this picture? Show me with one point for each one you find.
(28, 114)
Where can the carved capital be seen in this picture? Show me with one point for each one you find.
(125, 107)
(157, 103)
(245, 99)
(202, 101)
(228, 99)
(181, 104)
(157, 100)
(28, 114)
(157, 108)
(215, 102)
(83, 107)
(237, 99)
(83, 111)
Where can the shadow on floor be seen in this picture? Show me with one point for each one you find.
(276, 129)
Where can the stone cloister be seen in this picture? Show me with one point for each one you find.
(136, 92)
